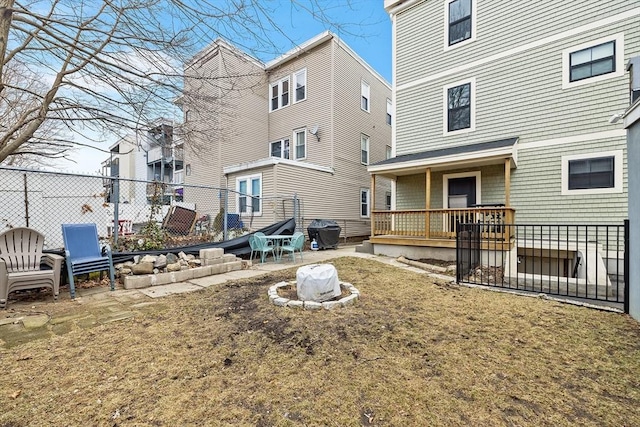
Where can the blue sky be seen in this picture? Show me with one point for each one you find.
(362, 24)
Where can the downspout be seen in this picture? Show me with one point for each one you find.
(332, 100)
(226, 207)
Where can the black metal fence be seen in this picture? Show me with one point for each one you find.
(122, 208)
(578, 261)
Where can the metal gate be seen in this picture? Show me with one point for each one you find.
(578, 261)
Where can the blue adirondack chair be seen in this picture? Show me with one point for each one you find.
(83, 254)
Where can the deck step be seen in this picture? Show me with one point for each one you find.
(365, 248)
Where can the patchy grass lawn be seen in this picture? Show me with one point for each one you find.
(410, 353)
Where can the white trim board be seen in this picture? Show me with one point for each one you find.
(271, 161)
(523, 48)
(618, 133)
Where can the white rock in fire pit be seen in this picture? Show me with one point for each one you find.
(317, 282)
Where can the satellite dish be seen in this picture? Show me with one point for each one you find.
(314, 130)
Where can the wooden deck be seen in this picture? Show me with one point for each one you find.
(437, 228)
(438, 243)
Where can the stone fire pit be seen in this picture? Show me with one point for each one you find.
(275, 298)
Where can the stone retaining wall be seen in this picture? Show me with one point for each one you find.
(214, 261)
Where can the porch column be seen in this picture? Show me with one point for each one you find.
(373, 203)
(507, 183)
(427, 225)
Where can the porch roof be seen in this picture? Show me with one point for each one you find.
(484, 153)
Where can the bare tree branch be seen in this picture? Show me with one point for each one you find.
(82, 67)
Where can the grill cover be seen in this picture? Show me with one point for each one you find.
(326, 232)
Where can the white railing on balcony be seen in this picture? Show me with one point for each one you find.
(178, 176)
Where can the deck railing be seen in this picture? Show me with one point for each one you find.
(441, 223)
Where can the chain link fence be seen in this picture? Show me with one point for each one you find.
(134, 214)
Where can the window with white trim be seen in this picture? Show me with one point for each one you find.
(279, 94)
(300, 140)
(389, 111)
(388, 152)
(594, 173)
(387, 200)
(460, 17)
(459, 107)
(249, 194)
(459, 22)
(594, 61)
(365, 96)
(364, 149)
(300, 85)
(364, 202)
(280, 149)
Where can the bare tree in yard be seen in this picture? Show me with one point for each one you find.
(105, 67)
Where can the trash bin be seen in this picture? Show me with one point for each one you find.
(326, 232)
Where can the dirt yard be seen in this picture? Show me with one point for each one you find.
(411, 352)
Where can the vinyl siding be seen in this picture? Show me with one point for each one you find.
(326, 196)
(201, 149)
(350, 122)
(245, 121)
(520, 95)
(536, 187)
(515, 96)
(226, 125)
(268, 215)
(411, 188)
(245, 127)
(315, 110)
(410, 192)
(333, 103)
(500, 25)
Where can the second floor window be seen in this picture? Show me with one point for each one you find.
(280, 149)
(459, 107)
(364, 149)
(300, 85)
(279, 94)
(300, 137)
(593, 61)
(365, 94)
(388, 152)
(459, 21)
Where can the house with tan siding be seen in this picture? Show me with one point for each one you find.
(306, 125)
(504, 113)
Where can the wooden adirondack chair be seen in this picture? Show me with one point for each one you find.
(24, 266)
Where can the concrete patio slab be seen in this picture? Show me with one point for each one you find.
(172, 289)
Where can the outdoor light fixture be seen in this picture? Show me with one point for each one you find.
(615, 118)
